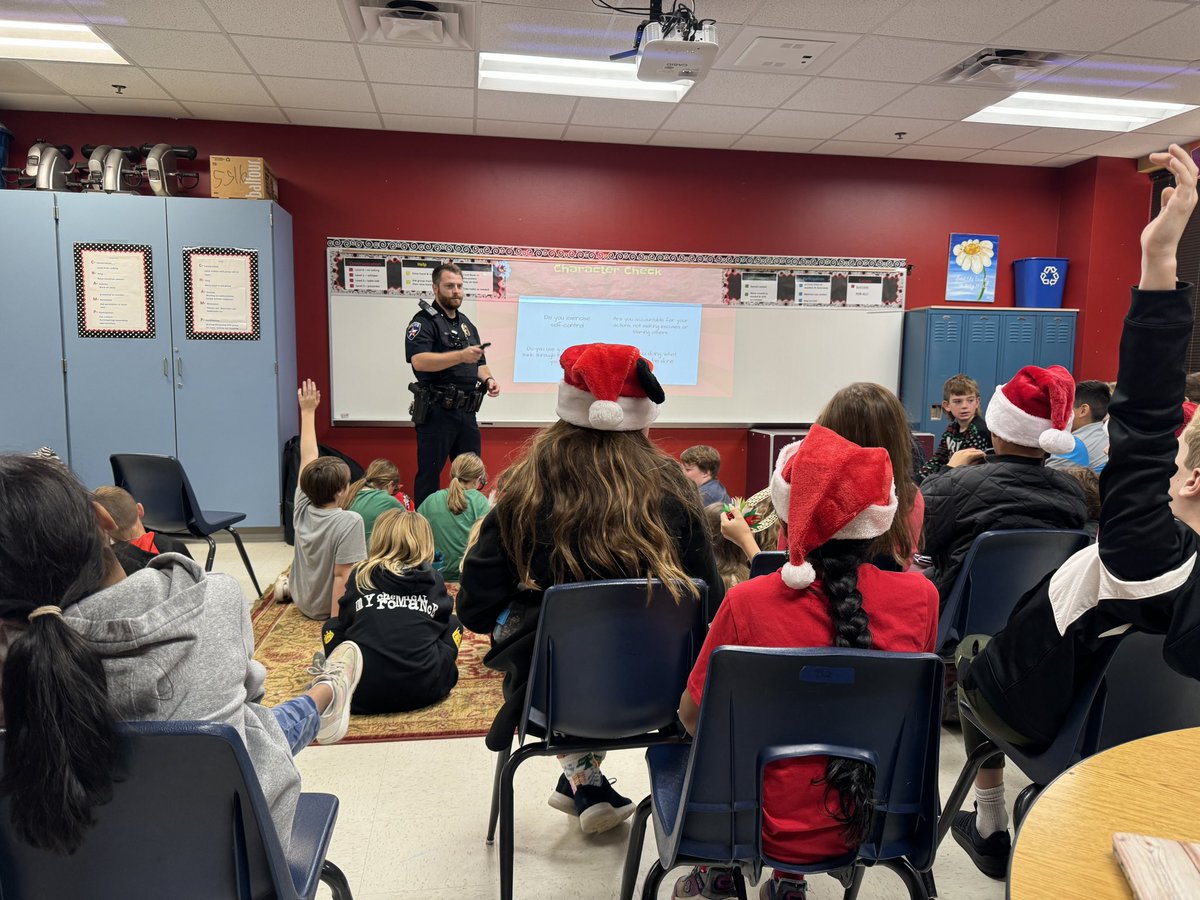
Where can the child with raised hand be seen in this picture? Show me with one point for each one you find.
(452, 511)
(967, 429)
(397, 611)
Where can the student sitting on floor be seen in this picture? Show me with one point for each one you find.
(374, 494)
(837, 498)
(1141, 573)
(452, 511)
(133, 545)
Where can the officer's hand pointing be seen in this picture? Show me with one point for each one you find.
(471, 354)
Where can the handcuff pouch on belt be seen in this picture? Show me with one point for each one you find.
(447, 396)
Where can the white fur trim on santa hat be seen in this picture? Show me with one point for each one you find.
(1007, 420)
(798, 577)
(781, 491)
(583, 409)
(870, 523)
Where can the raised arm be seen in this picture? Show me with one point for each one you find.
(309, 398)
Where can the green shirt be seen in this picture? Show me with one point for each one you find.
(449, 530)
(371, 503)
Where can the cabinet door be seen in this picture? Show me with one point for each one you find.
(1056, 340)
(982, 357)
(33, 405)
(945, 359)
(226, 416)
(119, 395)
(1019, 345)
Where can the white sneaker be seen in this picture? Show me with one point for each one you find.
(283, 592)
(343, 669)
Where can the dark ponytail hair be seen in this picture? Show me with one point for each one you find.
(849, 784)
(60, 751)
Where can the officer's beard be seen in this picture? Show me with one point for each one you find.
(448, 302)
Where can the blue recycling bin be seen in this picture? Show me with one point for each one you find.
(1040, 281)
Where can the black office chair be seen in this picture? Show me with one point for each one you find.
(161, 485)
(188, 820)
(767, 561)
(608, 670)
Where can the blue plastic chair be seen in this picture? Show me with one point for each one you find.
(999, 569)
(188, 821)
(1132, 693)
(161, 485)
(767, 561)
(763, 705)
(609, 666)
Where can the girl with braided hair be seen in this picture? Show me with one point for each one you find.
(837, 498)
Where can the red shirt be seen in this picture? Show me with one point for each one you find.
(764, 612)
(146, 542)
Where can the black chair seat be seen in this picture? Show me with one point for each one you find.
(312, 830)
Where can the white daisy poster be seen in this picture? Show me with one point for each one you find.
(971, 273)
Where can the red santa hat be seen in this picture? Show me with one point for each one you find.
(1189, 411)
(827, 488)
(1035, 409)
(609, 387)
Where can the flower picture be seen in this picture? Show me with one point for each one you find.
(971, 272)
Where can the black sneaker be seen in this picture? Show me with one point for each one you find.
(562, 797)
(600, 807)
(990, 854)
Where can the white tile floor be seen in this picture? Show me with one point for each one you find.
(414, 814)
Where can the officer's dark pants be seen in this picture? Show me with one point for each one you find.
(444, 435)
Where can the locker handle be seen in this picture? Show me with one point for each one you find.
(179, 366)
(166, 374)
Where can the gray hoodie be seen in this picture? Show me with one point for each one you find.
(177, 645)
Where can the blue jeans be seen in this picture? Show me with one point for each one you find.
(299, 720)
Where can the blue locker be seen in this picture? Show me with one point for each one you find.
(33, 404)
(982, 351)
(1019, 344)
(1056, 339)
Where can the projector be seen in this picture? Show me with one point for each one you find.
(678, 54)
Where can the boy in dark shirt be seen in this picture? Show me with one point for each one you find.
(967, 429)
(133, 545)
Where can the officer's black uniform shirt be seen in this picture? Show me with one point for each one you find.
(439, 334)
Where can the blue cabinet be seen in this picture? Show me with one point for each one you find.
(989, 345)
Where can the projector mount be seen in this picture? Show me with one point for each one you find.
(680, 23)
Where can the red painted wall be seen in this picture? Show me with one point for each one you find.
(394, 185)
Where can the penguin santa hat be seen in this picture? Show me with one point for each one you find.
(609, 387)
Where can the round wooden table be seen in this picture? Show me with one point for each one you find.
(1064, 848)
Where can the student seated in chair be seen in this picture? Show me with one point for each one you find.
(133, 545)
(1141, 574)
(837, 498)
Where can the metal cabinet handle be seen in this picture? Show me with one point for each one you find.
(166, 374)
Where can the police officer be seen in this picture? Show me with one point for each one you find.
(452, 373)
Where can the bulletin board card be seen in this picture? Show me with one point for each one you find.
(730, 336)
(220, 294)
(114, 290)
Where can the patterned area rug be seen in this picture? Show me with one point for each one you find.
(285, 641)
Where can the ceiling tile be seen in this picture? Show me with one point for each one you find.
(40, 11)
(334, 118)
(134, 106)
(1010, 158)
(759, 142)
(1067, 159)
(518, 107)
(897, 59)
(307, 59)
(856, 148)
(701, 139)
(1080, 25)
(1186, 124)
(787, 123)
(579, 35)
(313, 93)
(596, 134)
(536, 130)
(980, 135)
(41, 103)
(281, 18)
(429, 124)
(969, 21)
(1172, 39)
(95, 80)
(187, 15)
(717, 119)
(213, 87)
(943, 102)
(425, 101)
(19, 79)
(722, 86)
(920, 151)
(845, 96)
(1129, 145)
(859, 16)
(1056, 140)
(621, 113)
(235, 112)
(1106, 76)
(154, 47)
(883, 129)
(1182, 87)
(444, 68)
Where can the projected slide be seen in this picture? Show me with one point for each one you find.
(668, 334)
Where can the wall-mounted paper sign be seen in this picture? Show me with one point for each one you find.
(864, 290)
(365, 273)
(220, 294)
(114, 291)
(477, 279)
(759, 288)
(812, 290)
(417, 275)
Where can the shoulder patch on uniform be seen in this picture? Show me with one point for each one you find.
(414, 328)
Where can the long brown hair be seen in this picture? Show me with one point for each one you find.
(731, 561)
(381, 475)
(466, 469)
(871, 416)
(604, 492)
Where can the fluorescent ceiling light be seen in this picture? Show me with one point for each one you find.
(57, 41)
(573, 77)
(1069, 111)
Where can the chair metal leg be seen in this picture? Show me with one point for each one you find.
(507, 837)
(909, 875)
(966, 778)
(855, 882)
(338, 885)
(237, 539)
(739, 882)
(633, 853)
(930, 884)
(654, 880)
(1021, 806)
(212, 553)
(501, 759)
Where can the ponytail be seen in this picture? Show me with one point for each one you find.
(849, 784)
(466, 468)
(381, 474)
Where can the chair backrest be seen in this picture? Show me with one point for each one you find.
(767, 561)
(1142, 695)
(609, 660)
(882, 706)
(187, 820)
(1000, 568)
(161, 486)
